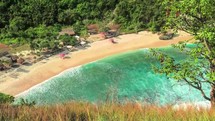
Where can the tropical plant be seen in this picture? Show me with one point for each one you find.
(25, 102)
(6, 98)
(68, 40)
(197, 18)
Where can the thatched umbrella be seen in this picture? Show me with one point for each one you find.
(114, 30)
(93, 29)
(114, 27)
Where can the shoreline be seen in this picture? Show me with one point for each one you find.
(53, 66)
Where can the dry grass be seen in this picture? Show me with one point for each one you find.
(107, 112)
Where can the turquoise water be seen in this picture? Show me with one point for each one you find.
(123, 77)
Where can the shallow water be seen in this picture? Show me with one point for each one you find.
(122, 77)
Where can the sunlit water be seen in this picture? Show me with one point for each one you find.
(123, 77)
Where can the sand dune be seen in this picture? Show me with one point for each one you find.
(45, 69)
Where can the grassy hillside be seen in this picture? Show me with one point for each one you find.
(108, 112)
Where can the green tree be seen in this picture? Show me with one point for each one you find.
(68, 40)
(196, 17)
(6, 98)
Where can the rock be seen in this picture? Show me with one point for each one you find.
(8, 55)
(166, 36)
(20, 60)
(2, 67)
(14, 58)
(7, 62)
(3, 53)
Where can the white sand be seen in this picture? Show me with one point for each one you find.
(45, 69)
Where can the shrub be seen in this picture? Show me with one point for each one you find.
(68, 40)
(78, 27)
(6, 98)
(24, 102)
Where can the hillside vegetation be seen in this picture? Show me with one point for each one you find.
(23, 21)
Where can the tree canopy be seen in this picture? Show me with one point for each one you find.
(196, 17)
(17, 16)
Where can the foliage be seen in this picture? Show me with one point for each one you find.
(140, 14)
(68, 40)
(24, 102)
(43, 31)
(197, 18)
(6, 98)
(44, 44)
(23, 21)
(43, 37)
(79, 27)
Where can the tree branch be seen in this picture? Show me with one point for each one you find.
(198, 88)
(203, 94)
(206, 80)
(198, 18)
(190, 83)
(207, 46)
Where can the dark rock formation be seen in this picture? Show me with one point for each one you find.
(166, 36)
(14, 58)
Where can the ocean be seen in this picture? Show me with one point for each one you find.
(125, 77)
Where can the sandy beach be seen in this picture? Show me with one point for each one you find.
(31, 75)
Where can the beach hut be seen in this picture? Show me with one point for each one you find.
(92, 29)
(112, 33)
(113, 30)
(114, 27)
(66, 31)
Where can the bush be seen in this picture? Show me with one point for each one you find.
(6, 98)
(25, 102)
(44, 44)
(78, 27)
(68, 40)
